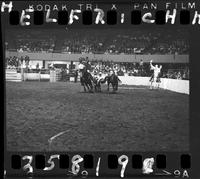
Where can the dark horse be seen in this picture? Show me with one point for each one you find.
(86, 81)
(113, 80)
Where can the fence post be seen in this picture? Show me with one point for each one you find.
(39, 76)
(51, 75)
(22, 74)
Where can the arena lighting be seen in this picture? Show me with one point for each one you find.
(147, 17)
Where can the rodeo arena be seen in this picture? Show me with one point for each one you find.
(97, 90)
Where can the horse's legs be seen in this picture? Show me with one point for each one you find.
(87, 86)
(95, 88)
(113, 86)
(91, 86)
(82, 82)
(84, 88)
(108, 89)
(95, 85)
(99, 87)
(116, 86)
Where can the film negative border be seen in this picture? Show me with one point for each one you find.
(181, 169)
(84, 164)
(64, 18)
(111, 14)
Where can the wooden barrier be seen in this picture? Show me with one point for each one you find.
(55, 75)
(180, 86)
(58, 76)
(52, 76)
(36, 76)
(12, 75)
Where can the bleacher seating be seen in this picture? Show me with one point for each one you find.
(129, 41)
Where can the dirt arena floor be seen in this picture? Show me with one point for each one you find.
(43, 116)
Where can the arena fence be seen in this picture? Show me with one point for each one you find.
(180, 86)
(35, 76)
(12, 75)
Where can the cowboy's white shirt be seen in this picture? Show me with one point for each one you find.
(156, 72)
(81, 66)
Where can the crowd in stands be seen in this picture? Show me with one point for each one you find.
(169, 70)
(35, 45)
(12, 62)
(32, 42)
(17, 63)
(107, 41)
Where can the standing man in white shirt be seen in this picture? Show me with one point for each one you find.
(155, 76)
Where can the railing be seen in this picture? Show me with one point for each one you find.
(180, 86)
(110, 57)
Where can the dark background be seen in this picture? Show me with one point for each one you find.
(194, 84)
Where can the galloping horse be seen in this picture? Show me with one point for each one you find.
(86, 81)
(113, 80)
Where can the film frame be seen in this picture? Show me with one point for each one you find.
(174, 158)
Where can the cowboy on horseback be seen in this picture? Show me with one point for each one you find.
(85, 76)
(81, 67)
